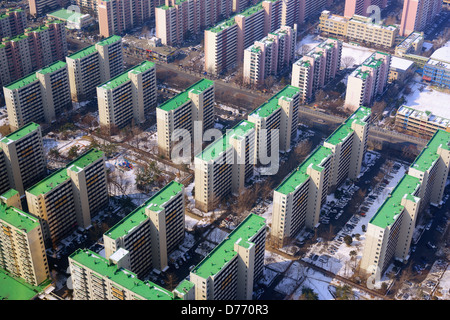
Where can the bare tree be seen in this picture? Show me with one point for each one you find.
(347, 62)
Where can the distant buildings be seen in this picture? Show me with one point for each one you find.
(129, 97)
(73, 19)
(417, 14)
(390, 231)
(195, 104)
(368, 80)
(40, 7)
(39, 97)
(93, 66)
(223, 166)
(316, 68)
(269, 55)
(12, 23)
(151, 232)
(298, 199)
(420, 122)
(360, 7)
(22, 161)
(359, 28)
(34, 49)
(437, 70)
(234, 266)
(69, 197)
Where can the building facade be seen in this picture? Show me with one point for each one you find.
(417, 14)
(368, 80)
(437, 70)
(93, 66)
(361, 7)
(412, 44)
(129, 97)
(422, 122)
(151, 232)
(12, 23)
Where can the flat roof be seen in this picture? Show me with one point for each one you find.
(8, 194)
(20, 133)
(49, 183)
(429, 154)
(18, 218)
(66, 15)
(14, 288)
(181, 98)
(52, 67)
(123, 77)
(137, 216)
(86, 159)
(344, 130)
(110, 40)
(300, 175)
(272, 105)
(83, 52)
(120, 276)
(224, 252)
(391, 207)
(221, 144)
(22, 82)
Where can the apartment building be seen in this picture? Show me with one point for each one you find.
(308, 9)
(151, 232)
(299, 197)
(233, 267)
(412, 44)
(129, 97)
(418, 14)
(22, 159)
(276, 120)
(222, 168)
(93, 66)
(22, 250)
(70, 197)
(40, 7)
(437, 70)
(12, 23)
(389, 232)
(11, 198)
(97, 278)
(362, 7)
(316, 68)
(189, 110)
(34, 49)
(359, 28)
(89, 6)
(270, 55)
(117, 16)
(38, 97)
(368, 80)
(422, 122)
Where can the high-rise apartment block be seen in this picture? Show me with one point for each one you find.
(368, 80)
(276, 120)
(93, 66)
(270, 55)
(70, 197)
(298, 199)
(418, 14)
(223, 167)
(233, 267)
(389, 232)
(12, 23)
(22, 160)
(150, 232)
(129, 97)
(40, 7)
(22, 249)
(193, 108)
(117, 16)
(359, 28)
(97, 278)
(362, 7)
(32, 50)
(38, 97)
(316, 68)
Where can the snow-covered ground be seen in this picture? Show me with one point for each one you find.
(359, 53)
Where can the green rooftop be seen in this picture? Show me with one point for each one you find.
(120, 276)
(10, 193)
(343, 131)
(181, 98)
(223, 25)
(13, 288)
(66, 15)
(20, 133)
(272, 105)
(224, 252)
(391, 207)
(429, 154)
(83, 52)
(22, 82)
(49, 183)
(220, 145)
(110, 40)
(52, 67)
(86, 159)
(300, 175)
(137, 216)
(18, 219)
(123, 77)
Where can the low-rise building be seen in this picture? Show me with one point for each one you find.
(437, 70)
(412, 44)
(400, 68)
(420, 122)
